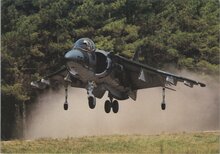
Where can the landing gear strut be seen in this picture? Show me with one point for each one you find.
(91, 97)
(111, 104)
(163, 104)
(65, 105)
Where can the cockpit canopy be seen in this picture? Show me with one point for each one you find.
(85, 44)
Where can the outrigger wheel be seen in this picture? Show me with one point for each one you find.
(65, 105)
(163, 104)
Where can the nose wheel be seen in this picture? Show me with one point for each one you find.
(91, 97)
(111, 104)
(92, 102)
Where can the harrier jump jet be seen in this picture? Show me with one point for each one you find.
(99, 71)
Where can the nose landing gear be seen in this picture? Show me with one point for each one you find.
(111, 104)
(91, 97)
(92, 102)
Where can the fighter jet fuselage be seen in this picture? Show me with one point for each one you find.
(97, 67)
(99, 71)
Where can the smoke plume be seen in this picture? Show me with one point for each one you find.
(188, 109)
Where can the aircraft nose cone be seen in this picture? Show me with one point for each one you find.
(74, 55)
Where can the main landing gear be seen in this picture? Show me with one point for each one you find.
(163, 104)
(111, 104)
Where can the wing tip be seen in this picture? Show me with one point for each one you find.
(202, 85)
(34, 84)
(38, 84)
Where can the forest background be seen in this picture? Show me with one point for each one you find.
(36, 34)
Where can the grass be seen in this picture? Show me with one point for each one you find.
(166, 143)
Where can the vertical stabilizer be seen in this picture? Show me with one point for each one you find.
(136, 56)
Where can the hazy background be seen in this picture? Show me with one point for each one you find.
(188, 109)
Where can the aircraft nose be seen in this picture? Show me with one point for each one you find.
(74, 55)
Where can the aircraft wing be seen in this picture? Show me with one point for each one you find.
(57, 78)
(143, 76)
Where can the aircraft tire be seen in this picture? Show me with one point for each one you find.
(115, 106)
(107, 106)
(92, 102)
(163, 106)
(65, 106)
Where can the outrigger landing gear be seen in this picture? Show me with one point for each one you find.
(65, 105)
(163, 104)
(111, 104)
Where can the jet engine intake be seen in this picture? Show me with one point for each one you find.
(103, 63)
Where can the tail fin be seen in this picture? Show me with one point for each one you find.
(136, 56)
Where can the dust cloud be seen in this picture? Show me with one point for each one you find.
(188, 110)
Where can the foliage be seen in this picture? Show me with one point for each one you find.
(165, 143)
(36, 34)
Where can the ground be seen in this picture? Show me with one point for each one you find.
(203, 142)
